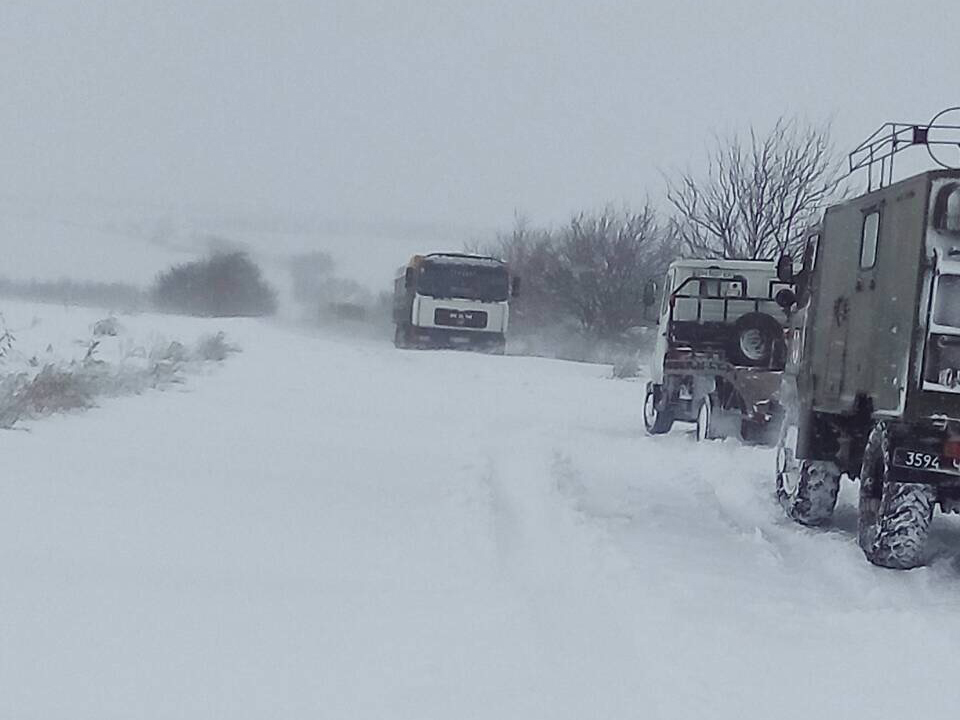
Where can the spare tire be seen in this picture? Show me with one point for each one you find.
(754, 340)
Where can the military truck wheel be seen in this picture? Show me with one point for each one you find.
(895, 517)
(657, 418)
(753, 340)
(806, 489)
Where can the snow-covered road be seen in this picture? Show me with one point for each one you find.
(327, 527)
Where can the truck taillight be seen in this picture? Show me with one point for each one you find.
(951, 448)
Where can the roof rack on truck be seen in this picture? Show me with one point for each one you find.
(940, 136)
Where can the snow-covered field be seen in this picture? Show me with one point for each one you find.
(326, 527)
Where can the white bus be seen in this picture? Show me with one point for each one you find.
(453, 300)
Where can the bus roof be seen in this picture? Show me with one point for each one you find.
(719, 264)
(463, 259)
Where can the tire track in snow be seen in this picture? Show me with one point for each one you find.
(589, 614)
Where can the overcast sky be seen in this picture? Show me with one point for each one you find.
(445, 113)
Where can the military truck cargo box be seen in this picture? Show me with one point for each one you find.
(872, 381)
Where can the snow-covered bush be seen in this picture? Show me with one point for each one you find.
(592, 272)
(323, 296)
(627, 366)
(172, 352)
(214, 348)
(109, 326)
(223, 285)
(6, 338)
(53, 389)
(108, 366)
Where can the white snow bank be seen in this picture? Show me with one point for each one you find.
(65, 362)
(327, 528)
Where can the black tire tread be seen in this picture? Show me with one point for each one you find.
(903, 524)
(664, 421)
(815, 497)
(766, 324)
(895, 517)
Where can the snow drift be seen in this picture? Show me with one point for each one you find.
(328, 527)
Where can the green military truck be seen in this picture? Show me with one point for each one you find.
(872, 382)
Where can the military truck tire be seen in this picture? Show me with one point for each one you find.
(753, 340)
(808, 492)
(657, 418)
(806, 489)
(894, 517)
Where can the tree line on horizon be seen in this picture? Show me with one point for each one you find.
(589, 279)
(754, 198)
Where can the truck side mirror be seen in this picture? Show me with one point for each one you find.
(408, 278)
(785, 268)
(650, 293)
(515, 286)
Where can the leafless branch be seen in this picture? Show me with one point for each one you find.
(759, 193)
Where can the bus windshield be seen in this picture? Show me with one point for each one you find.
(470, 281)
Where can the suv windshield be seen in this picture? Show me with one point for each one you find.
(946, 303)
(469, 281)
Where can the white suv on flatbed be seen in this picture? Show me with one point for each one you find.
(719, 353)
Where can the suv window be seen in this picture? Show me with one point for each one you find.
(709, 288)
(869, 238)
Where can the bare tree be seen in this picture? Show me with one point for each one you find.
(586, 281)
(601, 265)
(529, 252)
(759, 193)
